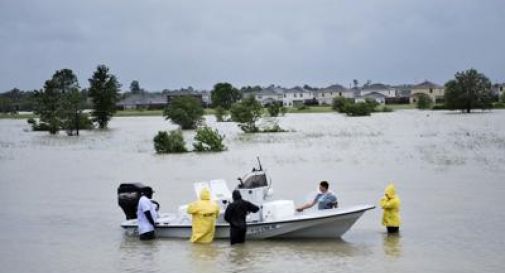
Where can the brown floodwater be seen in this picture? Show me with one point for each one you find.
(58, 209)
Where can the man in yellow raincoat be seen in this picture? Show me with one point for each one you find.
(204, 212)
(390, 203)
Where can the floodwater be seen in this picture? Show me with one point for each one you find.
(58, 209)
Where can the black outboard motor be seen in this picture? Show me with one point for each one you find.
(255, 179)
(128, 195)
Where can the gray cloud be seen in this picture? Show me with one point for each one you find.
(170, 44)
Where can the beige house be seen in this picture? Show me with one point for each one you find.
(296, 96)
(434, 91)
(326, 95)
(379, 88)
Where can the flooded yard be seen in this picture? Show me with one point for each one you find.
(59, 210)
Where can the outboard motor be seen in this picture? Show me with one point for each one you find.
(128, 195)
(255, 187)
(254, 179)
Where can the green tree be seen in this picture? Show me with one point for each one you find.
(372, 104)
(468, 90)
(169, 143)
(250, 89)
(56, 103)
(70, 101)
(6, 105)
(275, 109)
(358, 109)
(135, 87)
(104, 93)
(246, 113)
(224, 95)
(208, 140)
(424, 101)
(185, 111)
(72, 104)
(340, 104)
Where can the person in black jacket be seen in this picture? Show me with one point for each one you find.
(235, 215)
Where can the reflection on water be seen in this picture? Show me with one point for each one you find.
(138, 256)
(239, 257)
(58, 194)
(392, 245)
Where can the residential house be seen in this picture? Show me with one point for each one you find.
(380, 88)
(434, 91)
(376, 96)
(402, 94)
(143, 101)
(297, 96)
(326, 95)
(269, 95)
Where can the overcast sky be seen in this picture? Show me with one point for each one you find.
(173, 44)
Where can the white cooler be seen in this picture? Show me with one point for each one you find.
(278, 210)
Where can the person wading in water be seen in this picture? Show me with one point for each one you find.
(235, 214)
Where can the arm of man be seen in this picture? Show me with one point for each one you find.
(227, 214)
(150, 218)
(252, 207)
(306, 205)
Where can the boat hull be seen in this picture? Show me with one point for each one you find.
(331, 223)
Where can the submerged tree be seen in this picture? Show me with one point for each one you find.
(468, 90)
(208, 140)
(172, 142)
(185, 111)
(246, 113)
(104, 92)
(59, 104)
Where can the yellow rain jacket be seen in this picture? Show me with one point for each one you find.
(204, 212)
(390, 203)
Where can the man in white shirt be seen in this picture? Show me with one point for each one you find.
(146, 215)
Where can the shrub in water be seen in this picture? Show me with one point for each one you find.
(424, 101)
(339, 104)
(169, 143)
(185, 111)
(275, 109)
(372, 104)
(85, 123)
(208, 140)
(358, 109)
(246, 113)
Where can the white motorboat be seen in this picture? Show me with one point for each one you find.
(275, 219)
